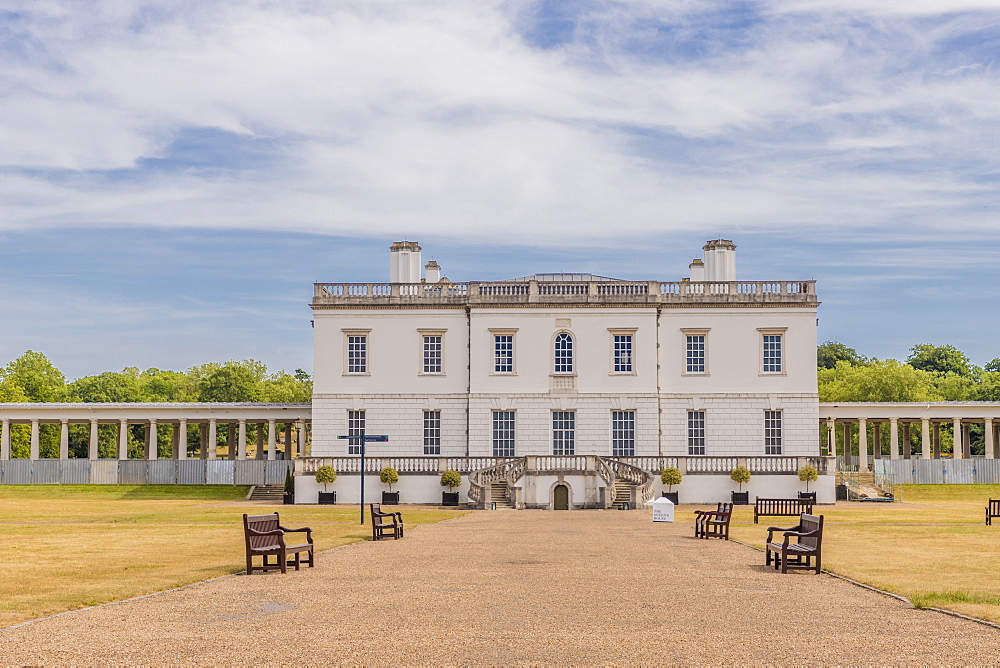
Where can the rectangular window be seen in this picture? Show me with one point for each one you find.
(622, 433)
(623, 353)
(503, 433)
(432, 354)
(563, 432)
(503, 353)
(772, 432)
(695, 354)
(772, 353)
(696, 432)
(355, 425)
(432, 432)
(357, 354)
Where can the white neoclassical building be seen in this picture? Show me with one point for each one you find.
(571, 388)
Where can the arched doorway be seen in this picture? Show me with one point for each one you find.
(560, 497)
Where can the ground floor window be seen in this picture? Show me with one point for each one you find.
(355, 425)
(622, 433)
(563, 432)
(503, 433)
(696, 432)
(772, 432)
(432, 432)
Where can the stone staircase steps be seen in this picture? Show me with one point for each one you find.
(274, 493)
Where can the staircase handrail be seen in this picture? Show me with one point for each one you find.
(509, 470)
(642, 478)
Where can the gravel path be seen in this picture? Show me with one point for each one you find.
(588, 587)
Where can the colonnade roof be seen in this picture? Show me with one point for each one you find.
(909, 410)
(156, 410)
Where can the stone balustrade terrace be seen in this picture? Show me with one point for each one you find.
(653, 293)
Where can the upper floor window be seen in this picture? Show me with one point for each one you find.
(695, 351)
(433, 354)
(563, 353)
(503, 353)
(357, 351)
(621, 344)
(772, 350)
(772, 432)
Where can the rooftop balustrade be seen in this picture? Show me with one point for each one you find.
(652, 293)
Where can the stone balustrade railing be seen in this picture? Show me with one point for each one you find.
(645, 292)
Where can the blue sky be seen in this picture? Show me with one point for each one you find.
(174, 176)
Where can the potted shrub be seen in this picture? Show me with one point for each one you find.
(289, 498)
(740, 475)
(671, 476)
(389, 476)
(451, 480)
(325, 475)
(808, 474)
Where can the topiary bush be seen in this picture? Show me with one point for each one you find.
(740, 474)
(389, 476)
(808, 474)
(451, 479)
(670, 476)
(289, 483)
(325, 475)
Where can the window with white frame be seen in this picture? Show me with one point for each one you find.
(772, 432)
(563, 432)
(696, 432)
(563, 353)
(503, 353)
(772, 347)
(432, 432)
(695, 354)
(503, 433)
(622, 433)
(355, 425)
(622, 344)
(357, 353)
(433, 345)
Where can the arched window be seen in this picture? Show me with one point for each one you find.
(564, 353)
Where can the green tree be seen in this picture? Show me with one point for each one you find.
(886, 380)
(233, 381)
(37, 377)
(988, 389)
(161, 385)
(993, 365)
(942, 359)
(831, 352)
(11, 392)
(107, 387)
(282, 388)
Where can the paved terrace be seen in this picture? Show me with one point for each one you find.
(601, 587)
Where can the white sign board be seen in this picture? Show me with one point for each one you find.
(663, 510)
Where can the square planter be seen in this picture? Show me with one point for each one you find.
(289, 499)
(449, 498)
(672, 496)
(741, 498)
(327, 498)
(808, 495)
(390, 498)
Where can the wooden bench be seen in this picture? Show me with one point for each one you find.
(713, 523)
(780, 508)
(382, 527)
(265, 536)
(992, 510)
(797, 555)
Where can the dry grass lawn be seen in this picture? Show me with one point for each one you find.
(69, 546)
(933, 547)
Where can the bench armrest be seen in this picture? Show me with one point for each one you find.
(771, 530)
(275, 532)
(302, 530)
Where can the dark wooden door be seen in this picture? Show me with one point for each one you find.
(560, 497)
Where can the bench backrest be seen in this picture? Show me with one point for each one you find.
(725, 509)
(783, 506)
(994, 507)
(811, 523)
(260, 523)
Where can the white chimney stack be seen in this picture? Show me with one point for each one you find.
(720, 260)
(697, 270)
(404, 264)
(432, 270)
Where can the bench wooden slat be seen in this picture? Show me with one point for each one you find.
(992, 510)
(781, 508)
(800, 554)
(383, 529)
(713, 523)
(264, 537)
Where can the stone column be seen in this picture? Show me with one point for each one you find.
(937, 440)
(123, 439)
(831, 439)
(876, 440)
(288, 441)
(241, 441)
(302, 438)
(92, 445)
(270, 439)
(908, 447)
(259, 452)
(182, 439)
(4, 439)
(203, 440)
(33, 452)
(925, 438)
(893, 438)
(63, 439)
(212, 438)
(152, 445)
(230, 441)
(956, 438)
(863, 445)
(848, 456)
(988, 437)
(966, 441)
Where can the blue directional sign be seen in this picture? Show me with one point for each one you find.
(361, 439)
(368, 438)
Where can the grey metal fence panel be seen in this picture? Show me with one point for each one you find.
(74, 471)
(163, 472)
(191, 471)
(958, 472)
(987, 471)
(133, 472)
(928, 471)
(276, 470)
(17, 472)
(248, 472)
(104, 472)
(219, 472)
(45, 472)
